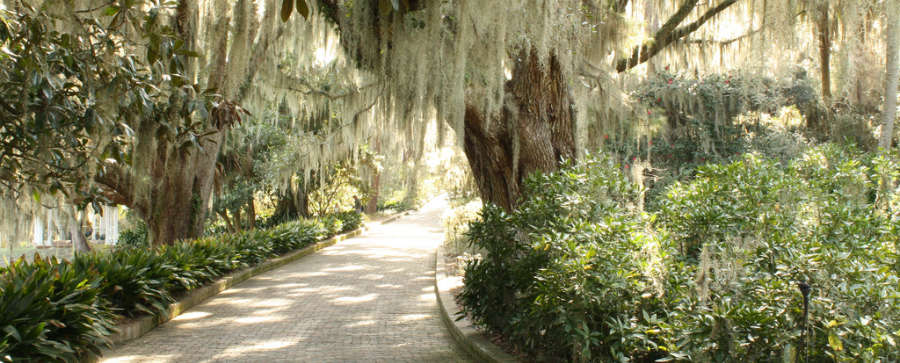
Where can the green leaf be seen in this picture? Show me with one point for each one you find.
(11, 330)
(287, 7)
(303, 9)
(834, 342)
(111, 10)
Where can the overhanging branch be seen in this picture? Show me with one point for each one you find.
(116, 185)
(669, 33)
(311, 90)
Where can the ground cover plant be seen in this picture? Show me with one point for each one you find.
(60, 310)
(753, 260)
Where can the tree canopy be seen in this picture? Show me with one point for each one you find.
(134, 91)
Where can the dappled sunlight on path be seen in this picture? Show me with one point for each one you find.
(364, 299)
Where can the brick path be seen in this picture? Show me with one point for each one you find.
(365, 299)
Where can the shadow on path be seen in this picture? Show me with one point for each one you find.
(368, 299)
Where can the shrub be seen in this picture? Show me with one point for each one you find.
(135, 236)
(332, 224)
(394, 205)
(578, 273)
(56, 310)
(761, 228)
(565, 274)
(134, 281)
(350, 220)
(456, 223)
(51, 312)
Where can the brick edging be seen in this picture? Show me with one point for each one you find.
(396, 216)
(463, 331)
(134, 329)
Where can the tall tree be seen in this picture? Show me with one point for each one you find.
(892, 48)
(179, 128)
(823, 33)
(123, 106)
(503, 71)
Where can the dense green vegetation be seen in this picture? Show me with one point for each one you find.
(60, 310)
(710, 272)
(745, 207)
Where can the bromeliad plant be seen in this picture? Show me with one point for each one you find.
(52, 311)
(56, 310)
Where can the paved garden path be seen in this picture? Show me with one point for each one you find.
(365, 299)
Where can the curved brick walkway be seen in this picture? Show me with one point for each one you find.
(365, 299)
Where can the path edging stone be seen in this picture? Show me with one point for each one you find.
(136, 328)
(462, 330)
(397, 216)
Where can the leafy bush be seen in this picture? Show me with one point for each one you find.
(456, 223)
(135, 236)
(332, 224)
(350, 220)
(134, 281)
(395, 205)
(566, 273)
(578, 273)
(51, 312)
(762, 228)
(60, 310)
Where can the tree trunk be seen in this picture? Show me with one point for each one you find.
(237, 220)
(292, 204)
(372, 205)
(228, 225)
(251, 213)
(534, 132)
(79, 243)
(412, 178)
(890, 75)
(301, 201)
(824, 35)
(180, 195)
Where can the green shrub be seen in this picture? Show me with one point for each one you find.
(576, 273)
(395, 205)
(332, 224)
(134, 280)
(350, 220)
(456, 223)
(54, 310)
(565, 275)
(51, 312)
(135, 236)
(761, 228)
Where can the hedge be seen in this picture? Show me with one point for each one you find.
(60, 310)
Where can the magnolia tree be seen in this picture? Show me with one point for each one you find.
(118, 108)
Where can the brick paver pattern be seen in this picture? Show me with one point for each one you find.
(365, 299)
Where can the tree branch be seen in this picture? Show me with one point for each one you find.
(117, 186)
(310, 90)
(726, 41)
(669, 33)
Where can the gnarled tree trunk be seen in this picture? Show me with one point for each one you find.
(532, 134)
(180, 191)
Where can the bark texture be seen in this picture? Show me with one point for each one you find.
(534, 132)
(180, 193)
(375, 189)
(890, 74)
(824, 36)
(79, 242)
